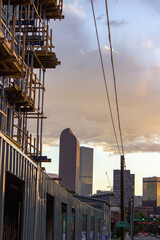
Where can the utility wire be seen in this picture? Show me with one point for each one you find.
(114, 78)
(104, 77)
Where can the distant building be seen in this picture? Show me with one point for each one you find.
(129, 180)
(103, 203)
(115, 217)
(147, 211)
(86, 171)
(54, 176)
(107, 197)
(151, 193)
(69, 160)
(101, 192)
(137, 201)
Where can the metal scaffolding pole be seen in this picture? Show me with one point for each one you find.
(39, 92)
(42, 114)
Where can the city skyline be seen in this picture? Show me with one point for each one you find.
(100, 181)
(77, 88)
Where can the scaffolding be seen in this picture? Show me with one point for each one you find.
(26, 51)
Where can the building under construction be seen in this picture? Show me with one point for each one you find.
(32, 205)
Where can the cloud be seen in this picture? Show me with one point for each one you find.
(116, 23)
(152, 3)
(106, 48)
(148, 44)
(74, 9)
(79, 102)
(76, 97)
(101, 17)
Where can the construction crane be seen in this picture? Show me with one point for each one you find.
(111, 188)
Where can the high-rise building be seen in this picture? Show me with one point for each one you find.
(128, 186)
(86, 171)
(69, 160)
(137, 201)
(151, 193)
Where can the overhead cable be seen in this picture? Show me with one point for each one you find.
(104, 77)
(114, 78)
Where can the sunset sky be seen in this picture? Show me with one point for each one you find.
(75, 94)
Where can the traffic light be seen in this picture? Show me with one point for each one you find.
(143, 219)
(154, 218)
(150, 223)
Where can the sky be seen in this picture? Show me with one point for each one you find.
(75, 94)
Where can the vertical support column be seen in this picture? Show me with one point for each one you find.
(19, 129)
(47, 38)
(2, 182)
(34, 95)
(1, 14)
(27, 82)
(23, 52)
(13, 112)
(30, 145)
(8, 16)
(34, 148)
(30, 85)
(122, 197)
(1, 106)
(27, 141)
(38, 109)
(42, 114)
(13, 33)
(23, 133)
(51, 44)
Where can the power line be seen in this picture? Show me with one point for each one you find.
(104, 77)
(114, 78)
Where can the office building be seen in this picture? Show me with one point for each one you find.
(147, 211)
(69, 160)
(129, 180)
(86, 171)
(137, 201)
(102, 192)
(151, 193)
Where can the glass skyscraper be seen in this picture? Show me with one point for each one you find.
(69, 160)
(151, 193)
(129, 180)
(86, 171)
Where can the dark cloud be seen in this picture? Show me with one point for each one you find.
(101, 17)
(116, 23)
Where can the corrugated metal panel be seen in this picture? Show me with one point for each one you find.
(37, 185)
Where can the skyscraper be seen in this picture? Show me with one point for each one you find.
(128, 186)
(69, 160)
(86, 171)
(151, 193)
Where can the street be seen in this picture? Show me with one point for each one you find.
(143, 237)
